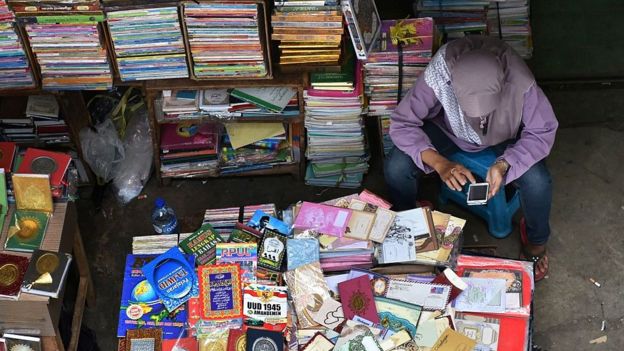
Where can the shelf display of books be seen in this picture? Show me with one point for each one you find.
(15, 70)
(307, 34)
(511, 18)
(147, 43)
(455, 18)
(226, 39)
(34, 119)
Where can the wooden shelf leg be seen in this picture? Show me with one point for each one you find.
(83, 268)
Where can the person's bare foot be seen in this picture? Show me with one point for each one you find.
(541, 265)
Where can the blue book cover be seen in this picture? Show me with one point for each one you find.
(141, 307)
(261, 221)
(173, 277)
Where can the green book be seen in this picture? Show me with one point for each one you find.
(202, 244)
(27, 230)
(346, 76)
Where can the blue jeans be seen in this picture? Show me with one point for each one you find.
(535, 185)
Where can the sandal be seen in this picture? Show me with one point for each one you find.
(524, 239)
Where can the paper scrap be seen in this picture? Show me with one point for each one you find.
(242, 134)
(600, 340)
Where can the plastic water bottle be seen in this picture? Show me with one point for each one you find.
(163, 218)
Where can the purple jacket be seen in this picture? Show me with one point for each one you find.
(539, 126)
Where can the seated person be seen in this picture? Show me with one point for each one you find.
(477, 93)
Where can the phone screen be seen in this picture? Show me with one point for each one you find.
(477, 192)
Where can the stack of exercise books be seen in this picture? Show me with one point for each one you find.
(337, 150)
(15, 70)
(189, 148)
(69, 50)
(383, 70)
(225, 39)
(455, 18)
(307, 33)
(511, 18)
(148, 43)
(224, 220)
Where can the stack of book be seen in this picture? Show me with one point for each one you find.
(308, 32)
(383, 70)
(455, 18)
(337, 148)
(15, 70)
(224, 220)
(69, 51)
(43, 110)
(511, 18)
(225, 39)
(148, 43)
(189, 149)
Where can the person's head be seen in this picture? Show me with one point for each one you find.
(477, 79)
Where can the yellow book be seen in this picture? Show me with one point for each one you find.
(32, 192)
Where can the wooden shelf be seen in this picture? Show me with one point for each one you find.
(288, 79)
(294, 119)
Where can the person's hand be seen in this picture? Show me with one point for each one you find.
(454, 175)
(495, 176)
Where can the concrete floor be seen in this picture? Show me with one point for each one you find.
(587, 221)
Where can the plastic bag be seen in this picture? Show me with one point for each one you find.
(131, 174)
(102, 149)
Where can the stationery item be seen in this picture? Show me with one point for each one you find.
(484, 330)
(273, 99)
(267, 304)
(429, 296)
(242, 134)
(22, 342)
(395, 340)
(449, 277)
(188, 136)
(371, 198)
(330, 315)
(358, 336)
(323, 219)
(27, 230)
(173, 278)
(54, 164)
(319, 342)
(7, 154)
(202, 244)
(382, 222)
(264, 340)
(430, 241)
(237, 340)
(357, 299)
(413, 223)
(144, 339)
(398, 246)
(272, 250)
(300, 252)
(213, 338)
(46, 273)
(308, 290)
(220, 289)
(397, 315)
(360, 225)
(430, 330)
(12, 270)
(243, 254)
(261, 221)
(513, 279)
(451, 340)
(364, 25)
(32, 192)
(482, 295)
(140, 305)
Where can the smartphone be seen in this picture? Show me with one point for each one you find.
(478, 193)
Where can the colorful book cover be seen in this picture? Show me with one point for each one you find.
(357, 299)
(300, 252)
(188, 136)
(245, 254)
(265, 304)
(202, 244)
(416, 34)
(54, 265)
(261, 221)
(244, 234)
(260, 340)
(54, 164)
(12, 270)
(173, 278)
(398, 315)
(322, 218)
(364, 25)
(221, 292)
(141, 307)
(26, 230)
(7, 153)
(32, 192)
(237, 340)
(271, 251)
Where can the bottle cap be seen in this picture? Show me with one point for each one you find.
(160, 202)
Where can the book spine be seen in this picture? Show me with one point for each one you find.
(305, 37)
(306, 18)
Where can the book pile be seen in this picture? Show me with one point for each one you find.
(270, 271)
(308, 32)
(455, 18)
(15, 70)
(225, 38)
(33, 120)
(337, 148)
(511, 17)
(189, 149)
(383, 70)
(224, 220)
(69, 51)
(148, 43)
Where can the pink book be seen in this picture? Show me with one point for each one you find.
(356, 296)
(373, 199)
(188, 136)
(323, 218)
